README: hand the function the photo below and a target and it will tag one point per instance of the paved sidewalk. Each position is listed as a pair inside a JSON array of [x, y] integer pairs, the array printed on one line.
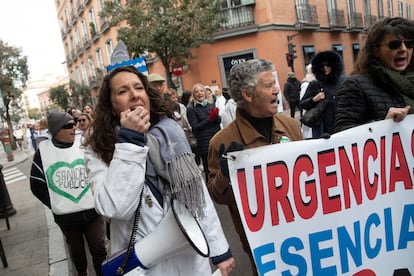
[[34, 245]]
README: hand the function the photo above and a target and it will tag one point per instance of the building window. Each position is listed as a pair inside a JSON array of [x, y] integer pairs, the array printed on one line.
[[380, 9], [227, 61], [84, 31], [78, 39], [78, 75], [109, 50], [390, 8], [409, 12], [85, 79], [355, 50], [101, 5], [92, 71], [62, 25], [99, 60], [93, 25], [72, 9], [72, 46], [400, 8], [308, 54], [67, 18], [352, 17], [367, 7], [339, 49], [67, 50]]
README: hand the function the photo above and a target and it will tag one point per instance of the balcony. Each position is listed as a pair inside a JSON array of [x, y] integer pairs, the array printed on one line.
[[94, 81], [80, 49], [68, 60], [355, 22], [369, 20], [239, 20], [237, 16], [80, 7], [104, 24], [74, 17], [307, 17], [336, 20], [74, 56], [86, 42]]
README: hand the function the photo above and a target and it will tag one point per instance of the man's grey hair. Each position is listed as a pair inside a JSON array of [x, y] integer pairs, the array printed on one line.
[[243, 76]]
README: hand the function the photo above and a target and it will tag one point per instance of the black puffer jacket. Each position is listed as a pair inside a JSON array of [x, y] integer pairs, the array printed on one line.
[[292, 89], [330, 84], [361, 100], [203, 129]]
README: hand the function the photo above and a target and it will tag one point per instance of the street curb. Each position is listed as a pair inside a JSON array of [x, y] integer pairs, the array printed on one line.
[[58, 258], [15, 162]]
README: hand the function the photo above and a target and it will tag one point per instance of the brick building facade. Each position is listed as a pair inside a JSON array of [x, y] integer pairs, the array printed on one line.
[[255, 29]]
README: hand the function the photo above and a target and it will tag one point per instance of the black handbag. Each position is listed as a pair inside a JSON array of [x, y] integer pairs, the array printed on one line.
[[313, 117]]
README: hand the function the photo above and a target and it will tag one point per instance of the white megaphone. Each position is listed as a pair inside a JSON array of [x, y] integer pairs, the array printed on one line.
[[177, 233]]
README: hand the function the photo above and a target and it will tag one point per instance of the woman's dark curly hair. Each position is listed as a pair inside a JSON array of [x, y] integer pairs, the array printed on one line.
[[391, 25], [102, 137]]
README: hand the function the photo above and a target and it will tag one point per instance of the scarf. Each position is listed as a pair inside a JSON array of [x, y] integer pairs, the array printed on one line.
[[403, 82], [174, 161], [203, 103], [262, 125]]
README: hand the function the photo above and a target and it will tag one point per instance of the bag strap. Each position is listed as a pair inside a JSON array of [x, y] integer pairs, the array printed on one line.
[[121, 269]]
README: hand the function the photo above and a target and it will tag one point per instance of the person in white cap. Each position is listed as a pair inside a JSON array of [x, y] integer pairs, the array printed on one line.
[[58, 179], [158, 82]]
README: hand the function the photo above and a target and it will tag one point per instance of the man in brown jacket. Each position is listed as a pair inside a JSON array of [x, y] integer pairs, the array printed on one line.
[[252, 86]]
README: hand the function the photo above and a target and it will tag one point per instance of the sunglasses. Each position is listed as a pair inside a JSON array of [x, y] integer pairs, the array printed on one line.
[[69, 125], [325, 65], [82, 120], [395, 44]]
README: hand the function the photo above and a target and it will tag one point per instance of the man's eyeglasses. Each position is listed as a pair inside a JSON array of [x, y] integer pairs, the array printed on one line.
[[69, 125], [395, 44]]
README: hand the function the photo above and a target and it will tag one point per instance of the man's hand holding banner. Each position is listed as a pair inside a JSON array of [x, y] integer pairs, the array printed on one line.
[[334, 206]]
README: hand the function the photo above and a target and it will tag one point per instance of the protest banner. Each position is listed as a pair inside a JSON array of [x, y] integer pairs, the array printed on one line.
[[337, 206]]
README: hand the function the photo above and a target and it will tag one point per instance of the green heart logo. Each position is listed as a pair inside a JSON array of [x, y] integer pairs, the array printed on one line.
[[67, 179]]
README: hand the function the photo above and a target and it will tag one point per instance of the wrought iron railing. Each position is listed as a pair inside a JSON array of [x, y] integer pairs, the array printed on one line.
[[336, 18], [369, 20], [237, 16], [307, 14], [355, 20]]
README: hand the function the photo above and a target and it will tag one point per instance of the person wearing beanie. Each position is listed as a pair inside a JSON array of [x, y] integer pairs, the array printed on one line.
[[58, 179]]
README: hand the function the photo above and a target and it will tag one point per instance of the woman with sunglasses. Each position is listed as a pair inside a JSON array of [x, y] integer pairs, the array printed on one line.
[[382, 84], [84, 121], [59, 181]]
